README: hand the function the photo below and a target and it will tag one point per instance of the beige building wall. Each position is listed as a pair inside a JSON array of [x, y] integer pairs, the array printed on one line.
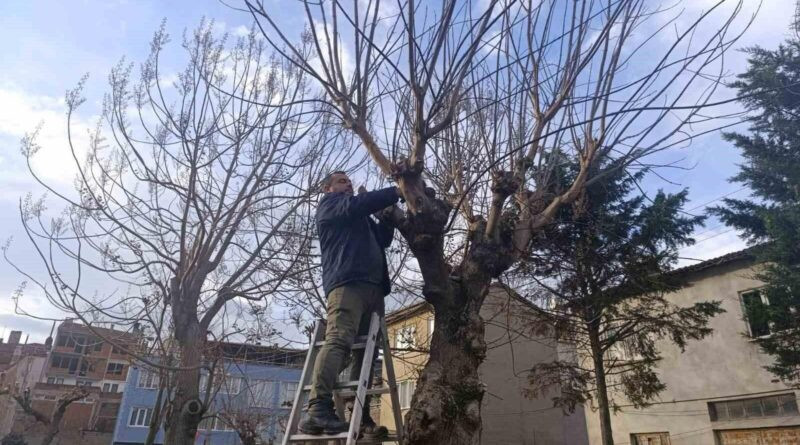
[[508, 416], [727, 365], [24, 372]]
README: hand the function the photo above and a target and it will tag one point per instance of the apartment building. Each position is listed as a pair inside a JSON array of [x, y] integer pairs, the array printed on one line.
[[252, 382]]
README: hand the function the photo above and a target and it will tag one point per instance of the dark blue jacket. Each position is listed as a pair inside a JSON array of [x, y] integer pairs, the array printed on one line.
[[351, 242]]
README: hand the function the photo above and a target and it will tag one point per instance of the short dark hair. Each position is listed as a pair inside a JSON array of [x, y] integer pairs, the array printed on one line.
[[328, 181]]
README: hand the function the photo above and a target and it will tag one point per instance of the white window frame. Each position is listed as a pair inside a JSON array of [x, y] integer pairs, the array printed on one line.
[[405, 337], [227, 385], [111, 387], [115, 364], [405, 391], [223, 384], [288, 392], [141, 414], [262, 393], [764, 301], [221, 425], [147, 379]]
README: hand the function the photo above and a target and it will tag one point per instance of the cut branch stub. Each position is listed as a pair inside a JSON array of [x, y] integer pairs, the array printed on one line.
[[411, 185]]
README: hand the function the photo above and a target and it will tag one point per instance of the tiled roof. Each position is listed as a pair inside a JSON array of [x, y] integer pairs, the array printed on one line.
[[748, 254]]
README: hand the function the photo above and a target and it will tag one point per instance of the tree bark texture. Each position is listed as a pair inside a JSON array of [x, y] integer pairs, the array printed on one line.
[[186, 409], [446, 407]]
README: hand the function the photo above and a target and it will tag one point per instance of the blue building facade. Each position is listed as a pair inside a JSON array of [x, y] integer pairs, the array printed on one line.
[[258, 390]]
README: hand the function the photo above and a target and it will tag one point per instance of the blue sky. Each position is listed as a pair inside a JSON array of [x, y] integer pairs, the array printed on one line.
[[47, 45]]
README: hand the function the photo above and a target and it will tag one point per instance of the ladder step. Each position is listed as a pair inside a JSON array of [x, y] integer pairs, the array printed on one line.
[[352, 393], [358, 342], [339, 385], [315, 437], [341, 436], [354, 347]]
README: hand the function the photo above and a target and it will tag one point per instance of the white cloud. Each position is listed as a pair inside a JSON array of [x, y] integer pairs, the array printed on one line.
[[20, 113], [241, 31]]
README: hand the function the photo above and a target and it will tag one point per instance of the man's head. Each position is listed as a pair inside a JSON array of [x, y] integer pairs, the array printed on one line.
[[337, 182]]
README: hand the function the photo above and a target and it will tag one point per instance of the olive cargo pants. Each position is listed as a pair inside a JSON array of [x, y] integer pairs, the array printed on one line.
[[350, 308]]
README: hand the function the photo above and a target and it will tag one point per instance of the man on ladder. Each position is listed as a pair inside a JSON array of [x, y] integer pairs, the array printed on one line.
[[355, 279]]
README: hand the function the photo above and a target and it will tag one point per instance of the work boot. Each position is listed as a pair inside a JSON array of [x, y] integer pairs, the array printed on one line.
[[370, 430], [322, 419]]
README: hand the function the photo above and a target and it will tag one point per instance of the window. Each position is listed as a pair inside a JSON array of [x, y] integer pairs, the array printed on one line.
[[55, 380], [406, 391], [147, 379], [110, 387], [405, 337], [224, 384], [80, 382], [98, 346], [754, 305], [261, 393], [206, 424], [772, 406], [650, 439], [231, 385], [288, 390], [61, 340], [115, 368], [64, 362], [222, 425], [140, 417]]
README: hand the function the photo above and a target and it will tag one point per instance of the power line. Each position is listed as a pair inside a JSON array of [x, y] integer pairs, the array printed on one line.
[[705, 204]]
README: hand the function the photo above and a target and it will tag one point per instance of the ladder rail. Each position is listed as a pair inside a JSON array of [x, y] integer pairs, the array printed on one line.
[[391, 382], [305, 377], [363, 379], [377, 337]]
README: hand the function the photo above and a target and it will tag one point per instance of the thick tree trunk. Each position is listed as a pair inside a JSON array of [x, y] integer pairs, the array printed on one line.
[[446, 408], [602, 389], [186, 408]]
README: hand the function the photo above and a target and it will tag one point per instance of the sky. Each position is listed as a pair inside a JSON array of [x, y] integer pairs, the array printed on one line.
[[48, 45]]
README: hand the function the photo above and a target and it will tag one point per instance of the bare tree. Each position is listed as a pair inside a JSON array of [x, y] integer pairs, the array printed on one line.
[[470, 106], [51, 421], [185, 200]]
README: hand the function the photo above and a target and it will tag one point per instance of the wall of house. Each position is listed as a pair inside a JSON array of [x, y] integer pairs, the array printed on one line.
[[509, 417], [274, 409], [407, 364], [23, 373], [725, 365]]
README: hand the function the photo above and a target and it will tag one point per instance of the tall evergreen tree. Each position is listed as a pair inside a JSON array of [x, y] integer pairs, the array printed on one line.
[[603, 271], [770, 89]]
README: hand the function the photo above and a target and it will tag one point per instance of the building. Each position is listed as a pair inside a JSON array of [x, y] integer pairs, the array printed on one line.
[[254, 383], [21, 367], [508, 416], [718, 391], [85, 356], [90, 357]]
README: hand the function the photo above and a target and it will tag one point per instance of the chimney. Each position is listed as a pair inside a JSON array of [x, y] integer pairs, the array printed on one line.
[[14, 337]]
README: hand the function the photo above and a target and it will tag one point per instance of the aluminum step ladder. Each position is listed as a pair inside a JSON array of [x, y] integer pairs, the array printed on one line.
[[360, 388]]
